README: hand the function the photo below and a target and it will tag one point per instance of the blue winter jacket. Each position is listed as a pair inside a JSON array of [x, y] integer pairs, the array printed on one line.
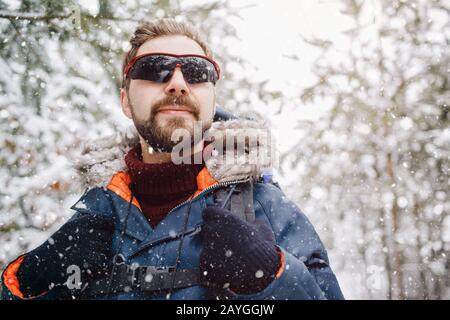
[[305, 272]]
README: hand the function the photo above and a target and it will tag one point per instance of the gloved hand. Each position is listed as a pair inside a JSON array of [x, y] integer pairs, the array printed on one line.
[[236, 254], [84, 241]]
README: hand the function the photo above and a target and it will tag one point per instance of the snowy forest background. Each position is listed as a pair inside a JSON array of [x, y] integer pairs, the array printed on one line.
[[370, 168]]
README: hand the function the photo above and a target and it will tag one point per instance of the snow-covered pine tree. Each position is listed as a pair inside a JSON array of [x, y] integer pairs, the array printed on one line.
[[373, 170]]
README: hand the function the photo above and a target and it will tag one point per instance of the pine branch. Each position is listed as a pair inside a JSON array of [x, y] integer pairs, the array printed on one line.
[[43, 17], [30, 16]]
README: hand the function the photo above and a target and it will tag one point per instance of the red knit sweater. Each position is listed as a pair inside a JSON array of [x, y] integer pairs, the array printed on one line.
[[160, 187]]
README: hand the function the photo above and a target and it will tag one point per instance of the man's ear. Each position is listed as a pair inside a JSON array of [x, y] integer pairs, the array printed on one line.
[[124, 101]]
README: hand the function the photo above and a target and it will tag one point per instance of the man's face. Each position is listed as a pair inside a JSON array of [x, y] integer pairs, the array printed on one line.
[[155, 107]]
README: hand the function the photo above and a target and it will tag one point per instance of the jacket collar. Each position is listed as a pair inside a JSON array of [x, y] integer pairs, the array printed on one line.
[[103, 158], [102, 164], [120, 185], [137, 225]]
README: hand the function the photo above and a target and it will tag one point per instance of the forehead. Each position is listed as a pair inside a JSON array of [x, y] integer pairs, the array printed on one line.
[[176, 44]]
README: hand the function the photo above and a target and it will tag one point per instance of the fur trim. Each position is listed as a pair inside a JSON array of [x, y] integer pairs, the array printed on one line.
[[242, 148], [103, 157]]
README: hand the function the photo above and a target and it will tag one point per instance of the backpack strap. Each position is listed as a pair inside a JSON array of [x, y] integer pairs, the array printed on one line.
[[240, 201]]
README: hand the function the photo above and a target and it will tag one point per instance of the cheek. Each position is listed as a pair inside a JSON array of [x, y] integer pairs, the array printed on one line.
[[206, 98], [142, 97]]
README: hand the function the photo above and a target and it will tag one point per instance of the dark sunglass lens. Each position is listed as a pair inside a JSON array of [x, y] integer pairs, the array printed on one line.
[[153, 68], [198, 70]]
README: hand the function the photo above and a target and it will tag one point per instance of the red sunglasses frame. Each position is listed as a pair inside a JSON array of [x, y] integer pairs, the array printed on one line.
[[133, 61]]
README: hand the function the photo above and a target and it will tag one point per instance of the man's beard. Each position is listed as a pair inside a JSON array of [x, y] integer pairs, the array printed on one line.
[[158, 136]]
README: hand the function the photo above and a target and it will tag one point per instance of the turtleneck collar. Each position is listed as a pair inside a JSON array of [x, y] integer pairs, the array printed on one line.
[[167, 180]]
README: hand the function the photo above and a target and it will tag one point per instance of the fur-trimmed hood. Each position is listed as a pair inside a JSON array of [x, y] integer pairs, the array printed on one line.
[[101, 158]]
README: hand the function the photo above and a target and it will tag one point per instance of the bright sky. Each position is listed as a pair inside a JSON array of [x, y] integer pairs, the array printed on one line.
[[271, 31]]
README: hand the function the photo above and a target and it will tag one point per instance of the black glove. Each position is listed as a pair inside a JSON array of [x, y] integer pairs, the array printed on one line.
[[84, 241], [236, 254]]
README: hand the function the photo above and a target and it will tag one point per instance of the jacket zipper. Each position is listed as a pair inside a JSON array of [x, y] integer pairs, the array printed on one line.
[[222, 184]]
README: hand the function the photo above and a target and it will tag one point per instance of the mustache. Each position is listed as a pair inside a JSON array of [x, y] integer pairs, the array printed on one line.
[[181, 100]]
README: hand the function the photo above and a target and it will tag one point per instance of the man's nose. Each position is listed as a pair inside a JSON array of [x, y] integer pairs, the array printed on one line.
[[177, 86]]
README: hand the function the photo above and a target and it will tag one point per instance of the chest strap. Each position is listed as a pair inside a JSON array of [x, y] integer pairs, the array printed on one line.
[[127, 278]]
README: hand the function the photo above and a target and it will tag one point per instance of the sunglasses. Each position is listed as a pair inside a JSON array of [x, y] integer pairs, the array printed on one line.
[[159, 67]]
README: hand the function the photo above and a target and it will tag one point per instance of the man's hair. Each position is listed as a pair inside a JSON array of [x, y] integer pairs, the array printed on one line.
[[164, 27]]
